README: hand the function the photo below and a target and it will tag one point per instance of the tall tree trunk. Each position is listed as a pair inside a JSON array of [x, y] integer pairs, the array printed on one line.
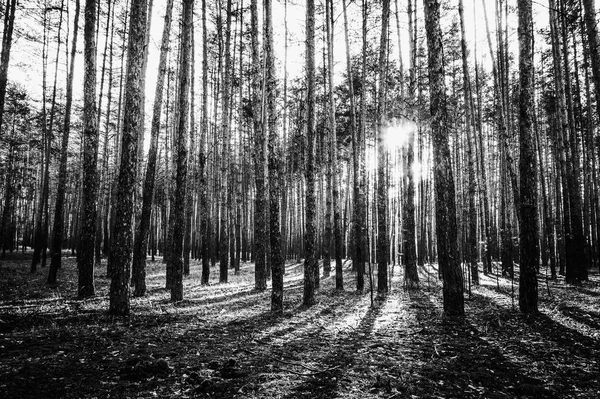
[[333, 160], [204, 227], [471, 250], [141, 234], [310, 242], [102, 175], [133, 115], [591, 24], [275, 159], [411, 276], [358, 218], [178, 208], [225, 131], [59, 226], [260, 160], [382, 159], [445, 202], [529, 253], [88, 213]]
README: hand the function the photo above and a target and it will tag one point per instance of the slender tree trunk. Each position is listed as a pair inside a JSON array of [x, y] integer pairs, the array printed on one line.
[[411, 276], [260, 161], [204, 227], [471, 250], [45, 151], [310, 262], [335, 179], [382, 159], [189, 196], [358, 219], [225, 130], [275, 169], [141, 235], [178, 208], [445, 203], [591, 24], [59, 226]]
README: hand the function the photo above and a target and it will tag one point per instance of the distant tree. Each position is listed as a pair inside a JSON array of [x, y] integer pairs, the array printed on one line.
[[445, 201]]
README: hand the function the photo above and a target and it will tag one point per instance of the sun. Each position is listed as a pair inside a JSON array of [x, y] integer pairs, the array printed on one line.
[[398, 133]]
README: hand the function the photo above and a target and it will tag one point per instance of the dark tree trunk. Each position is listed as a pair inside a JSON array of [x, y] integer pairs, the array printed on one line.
[[310, 237], [275, 169], [88, 213], [224, 198], [333, 158], [358, 261], [261, 234], [471, 250], [445, 202], [204, 227], [529, 253], [133, 115], [382, 159], [178, 208], [411, 276]]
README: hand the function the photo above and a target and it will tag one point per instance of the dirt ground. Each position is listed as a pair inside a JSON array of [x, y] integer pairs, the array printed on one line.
[[223, 342]]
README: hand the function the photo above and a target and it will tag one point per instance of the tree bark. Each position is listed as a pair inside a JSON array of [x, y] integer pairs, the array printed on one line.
[[88, 213], [529, 253], [178, 208], [225, 146], [133, 115], [310, 262], [260, 160], [382, 159], [204, 209], [275, 159], [445, 202]]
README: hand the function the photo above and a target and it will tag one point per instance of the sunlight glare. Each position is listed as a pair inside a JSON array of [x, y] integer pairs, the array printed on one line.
[[398, 132]]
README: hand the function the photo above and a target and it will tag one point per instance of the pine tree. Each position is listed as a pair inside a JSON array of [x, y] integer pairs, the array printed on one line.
[[445, 201], [133, 116]]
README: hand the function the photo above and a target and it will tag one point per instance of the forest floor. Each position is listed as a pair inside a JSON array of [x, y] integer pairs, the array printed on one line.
[[223, 342]]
